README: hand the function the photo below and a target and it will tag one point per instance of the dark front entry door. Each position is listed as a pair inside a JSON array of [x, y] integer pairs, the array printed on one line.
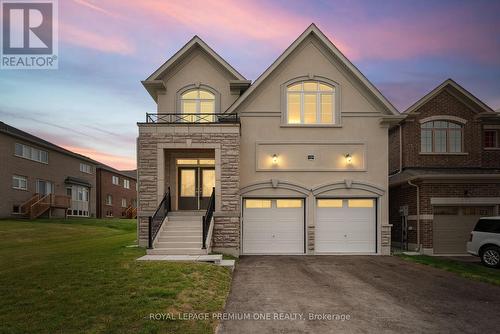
[[195, 187]]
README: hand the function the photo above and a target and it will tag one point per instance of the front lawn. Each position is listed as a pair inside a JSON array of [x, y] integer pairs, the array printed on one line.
[[80, 276], [470, 270]]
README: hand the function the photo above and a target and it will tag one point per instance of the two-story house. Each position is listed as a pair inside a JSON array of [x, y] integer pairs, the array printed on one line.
[[116, 193], [295, 163], [40, 178], [445, 170]]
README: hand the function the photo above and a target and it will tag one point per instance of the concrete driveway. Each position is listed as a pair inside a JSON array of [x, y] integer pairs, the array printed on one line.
[[375, 293]]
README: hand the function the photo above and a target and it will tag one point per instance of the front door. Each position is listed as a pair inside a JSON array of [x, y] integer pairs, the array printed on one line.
[[195, 187]]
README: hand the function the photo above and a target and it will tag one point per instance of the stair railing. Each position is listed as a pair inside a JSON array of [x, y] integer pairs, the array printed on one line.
[[40, 206], [156, 220], [26, 206], [207, 218]]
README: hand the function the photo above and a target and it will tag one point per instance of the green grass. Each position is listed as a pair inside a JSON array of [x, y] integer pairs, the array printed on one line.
[[80, 276], [475, 271]]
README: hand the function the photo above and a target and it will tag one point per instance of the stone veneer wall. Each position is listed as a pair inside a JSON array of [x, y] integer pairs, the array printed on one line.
[[225, 140]]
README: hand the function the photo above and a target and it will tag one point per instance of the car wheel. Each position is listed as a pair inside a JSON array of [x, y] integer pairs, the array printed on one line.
[[490, 257]]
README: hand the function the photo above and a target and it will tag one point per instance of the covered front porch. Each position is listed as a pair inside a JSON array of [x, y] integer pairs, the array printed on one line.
[[189, 162]]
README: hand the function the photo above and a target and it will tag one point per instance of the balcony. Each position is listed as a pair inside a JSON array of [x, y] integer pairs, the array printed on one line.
[[196, 118]]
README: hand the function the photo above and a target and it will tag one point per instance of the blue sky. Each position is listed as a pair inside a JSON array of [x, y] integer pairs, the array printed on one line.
[[92, 102]]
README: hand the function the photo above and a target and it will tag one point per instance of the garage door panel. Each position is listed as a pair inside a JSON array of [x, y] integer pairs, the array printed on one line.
[[273, 230], [451, 233], [345, 229]]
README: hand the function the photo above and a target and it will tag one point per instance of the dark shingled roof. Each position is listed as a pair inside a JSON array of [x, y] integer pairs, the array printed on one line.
[[14, 132]]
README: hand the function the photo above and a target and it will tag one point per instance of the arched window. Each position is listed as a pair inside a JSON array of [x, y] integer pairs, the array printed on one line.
[[310, 102], [199, 104], [441, 137]]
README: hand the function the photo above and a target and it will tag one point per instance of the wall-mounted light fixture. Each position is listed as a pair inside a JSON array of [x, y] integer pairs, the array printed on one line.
[[348, 158], [275, 159]]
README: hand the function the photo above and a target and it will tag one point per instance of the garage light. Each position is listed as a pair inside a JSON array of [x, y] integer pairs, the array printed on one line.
[[275, 159], [348, 158]]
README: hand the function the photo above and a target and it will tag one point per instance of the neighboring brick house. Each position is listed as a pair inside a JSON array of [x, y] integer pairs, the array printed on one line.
[[117, 193], [38, 178], [444, 165], [295, 163]]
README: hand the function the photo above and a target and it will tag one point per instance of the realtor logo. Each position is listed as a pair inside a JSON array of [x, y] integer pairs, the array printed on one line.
[[29, 34]]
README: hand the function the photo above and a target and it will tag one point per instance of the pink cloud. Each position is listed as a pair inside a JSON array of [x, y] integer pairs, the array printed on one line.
[[116, 161], [83, 37]]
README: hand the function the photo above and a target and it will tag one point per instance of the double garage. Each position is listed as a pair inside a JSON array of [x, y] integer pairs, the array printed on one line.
[[279, 225]]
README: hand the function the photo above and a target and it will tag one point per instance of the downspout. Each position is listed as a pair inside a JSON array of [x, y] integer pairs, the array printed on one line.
[[400, 149], [418, 213]]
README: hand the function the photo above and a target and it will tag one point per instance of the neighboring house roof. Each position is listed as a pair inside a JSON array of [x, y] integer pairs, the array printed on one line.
[[314, 30], [410, 174], [454, 87], [153, 83], [131, 174], [17, 133]]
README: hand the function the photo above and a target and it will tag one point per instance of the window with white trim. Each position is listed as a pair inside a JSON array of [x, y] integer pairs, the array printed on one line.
[[310, 102], [109, 200], [124, 202], [31, 153], [126, 184], [84, 168], [115, 180], [198, 101], [441, 137], [19, 182]]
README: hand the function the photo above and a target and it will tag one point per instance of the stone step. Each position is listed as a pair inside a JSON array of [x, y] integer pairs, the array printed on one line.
[[182, 228], [180, 233], [177, 251], [183, 218], [178, 244], [187, 213], [215, 258], [181, 224], [190, 238]]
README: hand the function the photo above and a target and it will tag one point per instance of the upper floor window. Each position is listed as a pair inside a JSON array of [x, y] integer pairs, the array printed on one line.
[[84, 168], [115, 180], [126, 184], [31, 153], [491, 138], [310, 102], [198, 101], [441, 137]]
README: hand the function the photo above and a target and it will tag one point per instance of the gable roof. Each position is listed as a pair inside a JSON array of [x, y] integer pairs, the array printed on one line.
[[314, 30], [447, 84], [20, 134], [154, 83]]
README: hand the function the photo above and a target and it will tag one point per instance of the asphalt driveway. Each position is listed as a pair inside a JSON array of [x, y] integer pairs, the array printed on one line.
[[355, 294]]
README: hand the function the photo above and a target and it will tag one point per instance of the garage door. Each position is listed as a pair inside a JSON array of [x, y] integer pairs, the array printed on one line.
[[273, 226], [345, 225], [452, 227]]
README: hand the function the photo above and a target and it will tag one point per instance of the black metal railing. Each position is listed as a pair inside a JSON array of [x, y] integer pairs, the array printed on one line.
[[195, 118], [207, 218], [156, 220]]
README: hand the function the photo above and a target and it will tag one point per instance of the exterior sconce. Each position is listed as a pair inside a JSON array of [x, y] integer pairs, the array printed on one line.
[[348, 158], [275, 159]]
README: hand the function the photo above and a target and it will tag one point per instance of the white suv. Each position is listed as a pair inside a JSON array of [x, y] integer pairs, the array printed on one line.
[[484, 241]]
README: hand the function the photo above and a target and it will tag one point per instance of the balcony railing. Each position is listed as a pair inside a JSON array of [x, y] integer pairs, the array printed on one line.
[[183, 118]]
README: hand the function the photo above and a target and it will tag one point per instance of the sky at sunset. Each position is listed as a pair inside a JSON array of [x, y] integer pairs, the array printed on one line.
[[92, 103]]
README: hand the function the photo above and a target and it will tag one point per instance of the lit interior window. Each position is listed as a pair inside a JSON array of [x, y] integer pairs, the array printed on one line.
[[360, 203], [329, 203], [289, 203], [257, 204]]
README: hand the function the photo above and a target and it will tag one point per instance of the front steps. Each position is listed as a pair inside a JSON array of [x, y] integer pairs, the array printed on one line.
[[180, 234]]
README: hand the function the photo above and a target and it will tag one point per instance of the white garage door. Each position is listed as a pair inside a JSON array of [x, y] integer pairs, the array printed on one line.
[[345, 225], [273, 226]]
